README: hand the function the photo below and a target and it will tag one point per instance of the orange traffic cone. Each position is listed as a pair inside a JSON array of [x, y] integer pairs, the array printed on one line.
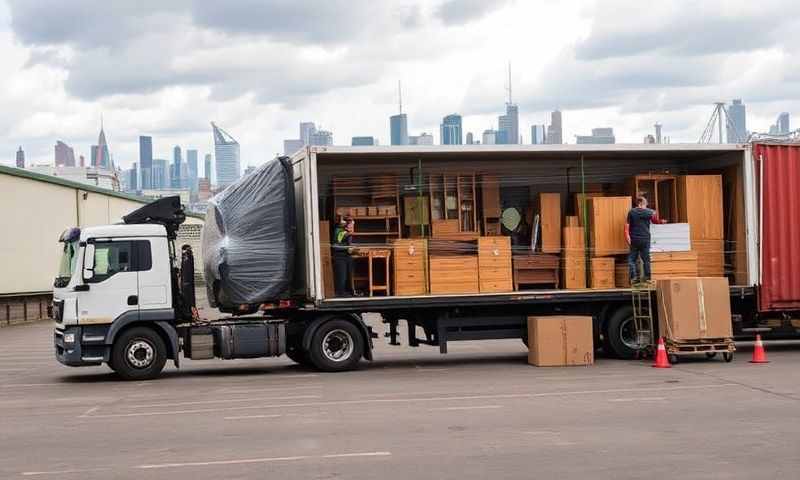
[[759, 355], [661, 356]]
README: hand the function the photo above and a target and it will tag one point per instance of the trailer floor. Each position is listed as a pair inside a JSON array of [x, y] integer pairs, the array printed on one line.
[[479, 412]]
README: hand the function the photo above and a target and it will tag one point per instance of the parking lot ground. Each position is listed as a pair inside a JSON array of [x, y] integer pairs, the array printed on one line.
[[479, 412]]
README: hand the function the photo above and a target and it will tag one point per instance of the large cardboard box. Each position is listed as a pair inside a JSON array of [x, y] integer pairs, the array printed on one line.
[[560, 341], [694, 308]]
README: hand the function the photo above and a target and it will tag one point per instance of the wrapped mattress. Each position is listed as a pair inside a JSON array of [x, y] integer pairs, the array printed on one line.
[[249, 238]]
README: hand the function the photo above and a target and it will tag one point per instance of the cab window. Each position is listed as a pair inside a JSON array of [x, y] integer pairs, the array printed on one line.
[[111, 258]]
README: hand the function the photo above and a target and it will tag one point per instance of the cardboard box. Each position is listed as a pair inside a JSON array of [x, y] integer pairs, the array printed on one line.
[[560, 341], [694, 308]]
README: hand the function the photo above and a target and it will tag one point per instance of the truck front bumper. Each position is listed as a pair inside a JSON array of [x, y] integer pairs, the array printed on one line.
[[78, 346]]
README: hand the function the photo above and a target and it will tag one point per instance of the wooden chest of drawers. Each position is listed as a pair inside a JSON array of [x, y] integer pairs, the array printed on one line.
[[494, 264], [410, 266], [454, 274]]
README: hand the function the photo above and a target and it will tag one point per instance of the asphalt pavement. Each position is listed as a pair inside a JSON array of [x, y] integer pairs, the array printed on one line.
[[479, 412]]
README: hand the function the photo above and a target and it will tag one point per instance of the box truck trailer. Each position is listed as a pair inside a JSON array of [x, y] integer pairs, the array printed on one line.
[[445, 240]]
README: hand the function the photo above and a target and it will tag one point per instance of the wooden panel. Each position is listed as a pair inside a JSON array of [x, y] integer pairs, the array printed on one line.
[[602, 273], [574, 272], [700, 205], [454, 274], [622, 277], [416, 210], [326, 258], [736, 228], [573, 240], [578, 199], [710, 257], [550, 221], [673, 264], [410, 262], [571, 221], [445, 227], [607, 218], [490, 194]]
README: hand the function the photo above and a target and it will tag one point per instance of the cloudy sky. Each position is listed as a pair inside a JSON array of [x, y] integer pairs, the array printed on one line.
[[259, 67]]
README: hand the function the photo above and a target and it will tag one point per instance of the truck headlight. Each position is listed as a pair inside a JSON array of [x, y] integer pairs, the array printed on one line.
[[69, 338]]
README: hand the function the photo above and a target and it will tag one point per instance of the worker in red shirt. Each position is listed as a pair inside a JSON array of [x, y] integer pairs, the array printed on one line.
[[637, 233]]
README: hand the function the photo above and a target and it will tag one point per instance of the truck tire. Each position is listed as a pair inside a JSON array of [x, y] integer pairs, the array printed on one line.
[[138, 354], [336, 346], [620, 334], [298, 355]]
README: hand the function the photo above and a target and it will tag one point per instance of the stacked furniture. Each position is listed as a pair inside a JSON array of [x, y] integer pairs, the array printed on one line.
[[494, 264], [410, 266]]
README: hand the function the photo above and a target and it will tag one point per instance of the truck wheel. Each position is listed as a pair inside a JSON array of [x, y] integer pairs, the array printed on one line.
[[620, 335], [138, 354], [336, 346], [298, 355]]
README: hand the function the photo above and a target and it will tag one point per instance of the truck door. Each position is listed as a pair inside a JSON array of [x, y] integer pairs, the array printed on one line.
[[154, 276], [111, 281]]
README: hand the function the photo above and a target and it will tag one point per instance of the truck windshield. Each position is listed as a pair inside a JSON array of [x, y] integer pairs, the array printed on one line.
[[66, 266]]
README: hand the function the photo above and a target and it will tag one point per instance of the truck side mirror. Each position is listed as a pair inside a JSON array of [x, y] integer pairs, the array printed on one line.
[[88, 261]]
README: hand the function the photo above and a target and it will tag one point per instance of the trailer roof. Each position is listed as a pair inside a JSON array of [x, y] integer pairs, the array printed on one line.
[[563, 148]]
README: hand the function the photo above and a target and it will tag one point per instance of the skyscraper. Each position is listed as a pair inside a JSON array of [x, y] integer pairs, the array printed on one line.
[[101, 158], [131, 179], [658, 138], [489, 137], [226, 153], [737, 125], [399, 129], [146, 161], [508, 125], [450, 130], [177, 159], [783, 123], [207, 168], [363, 141], [20, 158], [538, 135], [554, 132], [306, 130], [421, 139], [292, 145], [191, 160], [64, 155], [159, 175], [470, 138]]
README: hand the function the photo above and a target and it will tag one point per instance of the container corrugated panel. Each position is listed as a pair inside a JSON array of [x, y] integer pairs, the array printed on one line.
[[780, 242]]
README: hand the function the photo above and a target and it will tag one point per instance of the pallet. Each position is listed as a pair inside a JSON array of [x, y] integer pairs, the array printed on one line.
[[708, 346]]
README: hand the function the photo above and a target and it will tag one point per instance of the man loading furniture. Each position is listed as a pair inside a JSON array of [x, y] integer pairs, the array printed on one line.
[[342, 260], [637, 233]]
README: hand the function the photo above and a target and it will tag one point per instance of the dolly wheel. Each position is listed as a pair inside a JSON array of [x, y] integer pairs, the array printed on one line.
[[728, 356]]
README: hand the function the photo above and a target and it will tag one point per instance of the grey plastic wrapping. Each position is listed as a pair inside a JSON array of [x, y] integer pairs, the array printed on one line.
[[249, 238]]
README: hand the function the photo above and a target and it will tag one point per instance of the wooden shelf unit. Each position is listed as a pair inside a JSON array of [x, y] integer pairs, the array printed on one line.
[[454, 197], [661, 192], [363, 199]]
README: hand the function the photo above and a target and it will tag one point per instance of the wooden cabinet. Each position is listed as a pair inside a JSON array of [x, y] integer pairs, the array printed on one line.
[[601, 273], [574, 258], [454, 197], [535, 269], [494, 264], [410, 266], [660, 190], [452, 274], [550, 221], [373, 203], [700, 205], [607, 218]]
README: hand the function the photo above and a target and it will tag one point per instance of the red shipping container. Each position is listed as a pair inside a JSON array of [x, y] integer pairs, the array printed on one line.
[[778, 168]]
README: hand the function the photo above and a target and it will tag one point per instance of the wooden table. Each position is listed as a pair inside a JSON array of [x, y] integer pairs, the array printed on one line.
[[535, 269], [371, 255]]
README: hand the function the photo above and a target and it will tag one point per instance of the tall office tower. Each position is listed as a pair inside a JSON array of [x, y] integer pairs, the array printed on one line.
[[131, 179], [450, 130], [657, 126], [146, 161], [101, 158], [538, 135], [737, 122], [177, 160], [292, 145], [306, 130], [64, 155], [489, 137], [508, 125], [20, 158], [399, 129], [470, 138], [226, 153], [321, 137], [554, 131], [159, 175], [783, 123], [207, 168], [598, 136], [363, 141], [191, 161]]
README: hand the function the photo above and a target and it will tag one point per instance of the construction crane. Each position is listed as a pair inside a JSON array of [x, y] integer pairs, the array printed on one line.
[[719, 115]]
